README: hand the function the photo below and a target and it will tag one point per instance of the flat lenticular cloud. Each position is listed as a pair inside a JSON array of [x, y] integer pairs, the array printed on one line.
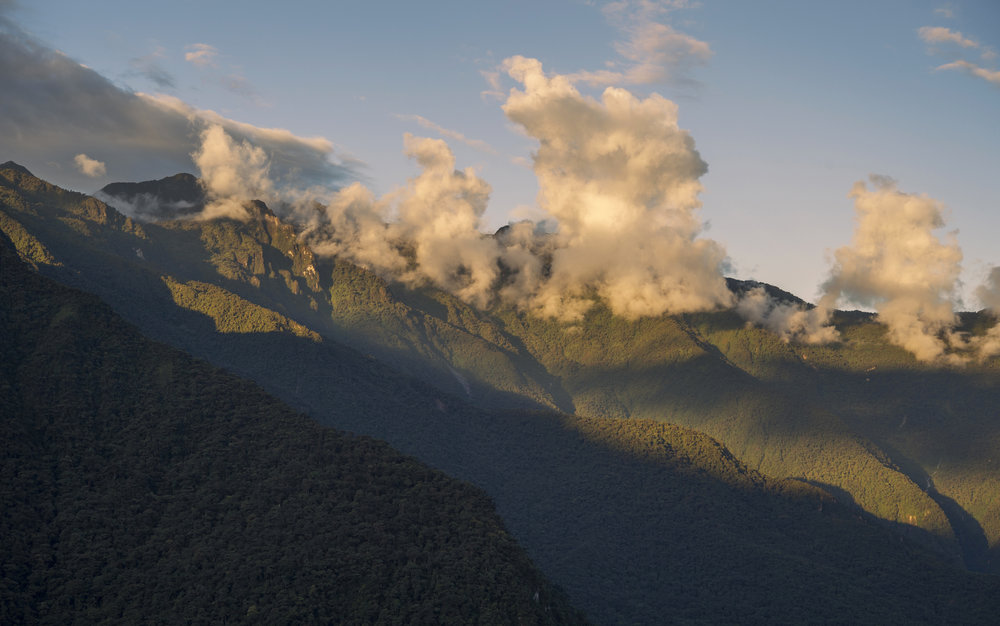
[[897, 265], [53, 109], [90, 167], [622, 180]]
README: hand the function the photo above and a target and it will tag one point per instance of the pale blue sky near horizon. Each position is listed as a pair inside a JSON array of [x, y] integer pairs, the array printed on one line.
[[797, 101]]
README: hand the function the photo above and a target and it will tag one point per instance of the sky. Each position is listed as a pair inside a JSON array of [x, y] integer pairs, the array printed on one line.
[[789, 104]]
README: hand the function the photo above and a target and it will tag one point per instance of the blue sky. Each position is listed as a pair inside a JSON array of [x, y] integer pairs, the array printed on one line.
[[789, 103]]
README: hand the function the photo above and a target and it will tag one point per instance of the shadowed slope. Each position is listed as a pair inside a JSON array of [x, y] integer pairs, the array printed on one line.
[[140, 485], [639, 520]]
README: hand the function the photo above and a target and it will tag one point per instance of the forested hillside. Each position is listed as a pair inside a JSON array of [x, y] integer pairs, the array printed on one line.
[[139, 485], [939, 425], [640, 520]]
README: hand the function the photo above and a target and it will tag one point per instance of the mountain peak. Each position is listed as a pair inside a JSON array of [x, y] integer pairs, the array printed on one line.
[[167, 198], [257, 209], [11, 165], [741, 287]]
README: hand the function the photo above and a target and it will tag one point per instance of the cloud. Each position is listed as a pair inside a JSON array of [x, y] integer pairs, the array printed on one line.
[[621, 179], [617, 215], [947, 11], [425, 232], [792, 322], [897, 265], [478, 144], [654, 52], [940, 34], [232, 173], [990, 76], [239, 85], [90, 167], [201, 54], [231, 79], [53, 108], [988, 293], [149, 68], [492, 78]]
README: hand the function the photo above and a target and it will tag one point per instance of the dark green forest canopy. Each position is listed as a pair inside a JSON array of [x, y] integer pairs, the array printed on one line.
[[140, 485], [640, 520]]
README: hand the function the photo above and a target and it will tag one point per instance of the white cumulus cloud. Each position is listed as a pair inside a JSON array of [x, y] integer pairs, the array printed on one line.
[[622, 180], [90, 167], [898, 265]]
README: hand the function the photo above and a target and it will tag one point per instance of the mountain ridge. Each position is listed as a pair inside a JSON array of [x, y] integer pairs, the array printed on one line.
[[499, 449]]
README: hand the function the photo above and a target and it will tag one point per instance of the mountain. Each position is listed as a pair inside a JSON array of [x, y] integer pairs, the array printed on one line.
[[659, 369], [142, 485], [938, 425], [798, 517], [167, 198]]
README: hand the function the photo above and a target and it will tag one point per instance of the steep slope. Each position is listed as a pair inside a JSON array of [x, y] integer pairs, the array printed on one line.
[[661, 369], [262, 261], [640, 521], [939, 425], [141, 485]]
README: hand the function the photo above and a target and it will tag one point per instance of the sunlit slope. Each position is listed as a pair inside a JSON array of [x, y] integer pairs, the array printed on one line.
[[661, 369], [640, 521], [940, 425], [604, 366], [139, 485]]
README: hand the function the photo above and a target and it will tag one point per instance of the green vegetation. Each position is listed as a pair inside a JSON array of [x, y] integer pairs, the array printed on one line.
[[641, 519], [937, 424], [139, 485], [231, 313]]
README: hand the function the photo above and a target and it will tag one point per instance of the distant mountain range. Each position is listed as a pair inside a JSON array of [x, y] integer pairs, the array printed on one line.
[[680, 468]]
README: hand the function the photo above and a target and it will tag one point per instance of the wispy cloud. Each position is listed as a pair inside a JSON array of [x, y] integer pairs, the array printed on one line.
[[654, 51], [492, 78], [238, 84], [148, 66], [201, 54], [940, 34], [478, 144], [951, 44], [947, 11], [990, 76], [206, 57]]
